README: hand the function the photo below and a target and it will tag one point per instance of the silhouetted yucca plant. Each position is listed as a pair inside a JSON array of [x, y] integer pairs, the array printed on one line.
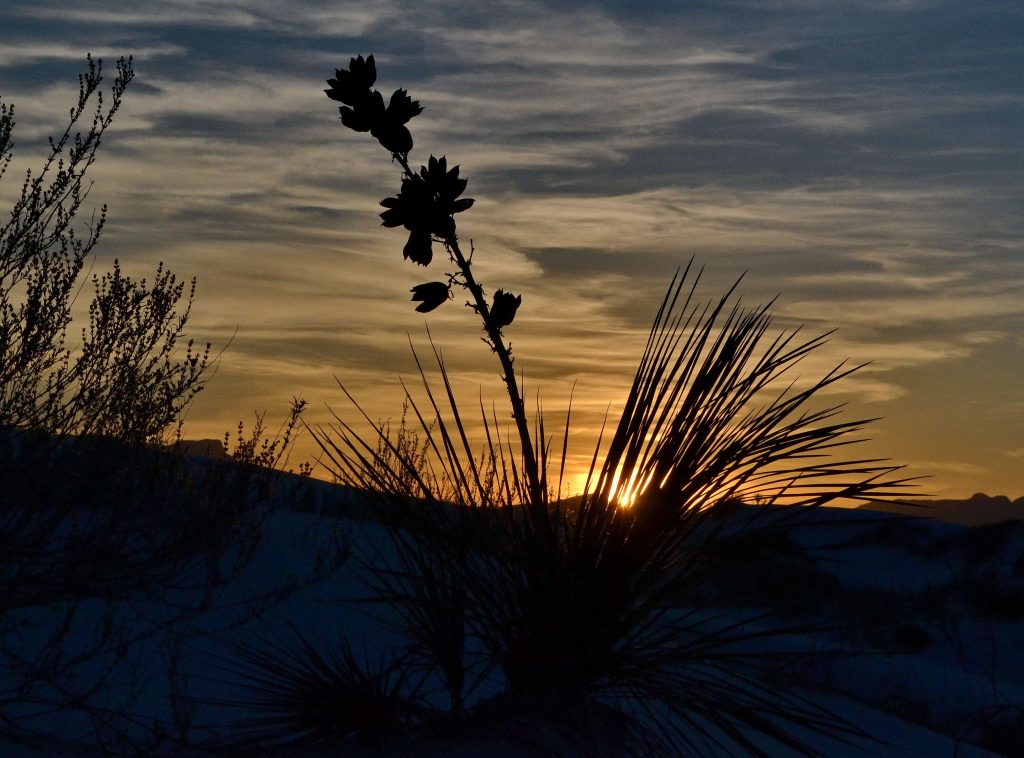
[[585, 601], [570, 606], [308, 694]]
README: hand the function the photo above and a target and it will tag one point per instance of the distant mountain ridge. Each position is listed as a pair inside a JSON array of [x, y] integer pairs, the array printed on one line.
[[977, 510]]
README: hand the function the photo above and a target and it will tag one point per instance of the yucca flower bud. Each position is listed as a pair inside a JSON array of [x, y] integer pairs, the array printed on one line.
[[419, 248], [429, 295], [504, 307], [353, 85]]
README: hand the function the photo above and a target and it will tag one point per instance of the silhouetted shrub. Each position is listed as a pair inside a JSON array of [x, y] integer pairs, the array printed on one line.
[[316, 694], [764, 567], [261, 449], [980, 544], [126, 379], [98, 520], [94, 527]]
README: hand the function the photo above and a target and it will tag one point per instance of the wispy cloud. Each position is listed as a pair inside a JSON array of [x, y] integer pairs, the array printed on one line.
[[26, 52]]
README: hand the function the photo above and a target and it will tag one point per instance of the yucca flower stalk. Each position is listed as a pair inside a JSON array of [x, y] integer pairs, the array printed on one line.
[[426, 207]]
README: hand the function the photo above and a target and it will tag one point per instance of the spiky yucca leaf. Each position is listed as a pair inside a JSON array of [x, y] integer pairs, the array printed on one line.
[[701, 425]]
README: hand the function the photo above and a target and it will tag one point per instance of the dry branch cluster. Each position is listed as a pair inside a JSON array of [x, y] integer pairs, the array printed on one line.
[[125, 379], [108, 538]]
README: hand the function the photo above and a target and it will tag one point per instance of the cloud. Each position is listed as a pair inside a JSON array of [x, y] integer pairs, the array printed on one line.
[[860, 160], [26, 52], [282, 18]]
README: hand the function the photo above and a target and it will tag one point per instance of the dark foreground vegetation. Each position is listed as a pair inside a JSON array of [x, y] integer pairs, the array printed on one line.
[[101, 517]]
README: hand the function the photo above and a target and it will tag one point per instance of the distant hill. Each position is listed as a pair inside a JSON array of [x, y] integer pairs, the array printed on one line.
[[207, 448], [977, 510]]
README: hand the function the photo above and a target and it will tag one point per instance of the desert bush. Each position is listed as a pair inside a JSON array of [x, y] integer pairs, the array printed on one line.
[[764, 567], [572, 608], [103, 545], [910, 637], [108, 536], [261, 449], [980, 544], [126, 379], [109, 548], [990, 595]]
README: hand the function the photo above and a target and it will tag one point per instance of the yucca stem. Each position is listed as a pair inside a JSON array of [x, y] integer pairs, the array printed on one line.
[[503, 352]]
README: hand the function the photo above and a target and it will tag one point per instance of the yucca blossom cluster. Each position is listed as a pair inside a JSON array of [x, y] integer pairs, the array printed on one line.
[[426, 206], [429, 198], [364, 109]]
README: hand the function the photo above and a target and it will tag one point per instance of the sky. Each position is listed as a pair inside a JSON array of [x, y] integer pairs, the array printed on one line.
[[861, 160]]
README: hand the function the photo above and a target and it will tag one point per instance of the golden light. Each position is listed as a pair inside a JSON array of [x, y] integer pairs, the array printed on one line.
[[627, 494]]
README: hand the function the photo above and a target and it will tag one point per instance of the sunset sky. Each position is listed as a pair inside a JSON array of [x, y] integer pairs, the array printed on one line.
[[863, 160]]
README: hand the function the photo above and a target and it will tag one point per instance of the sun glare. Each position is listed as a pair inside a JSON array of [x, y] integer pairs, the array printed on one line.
[[628, 492], [626, 499]]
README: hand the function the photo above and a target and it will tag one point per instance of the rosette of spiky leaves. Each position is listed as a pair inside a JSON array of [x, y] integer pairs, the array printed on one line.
[[302, 692], [425, 206], [701, 427], [595, 602]]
